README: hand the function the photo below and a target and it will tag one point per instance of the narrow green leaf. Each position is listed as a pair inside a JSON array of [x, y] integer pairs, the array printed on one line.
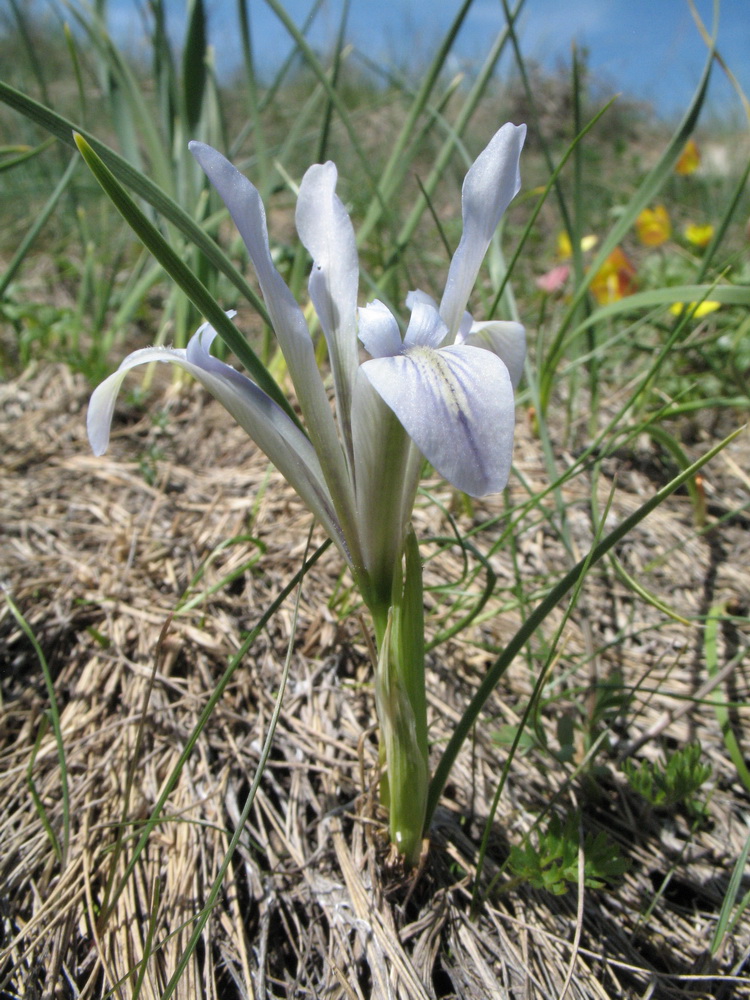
[[727, 295], [335, 98], [41, 220], [711, 653], [54, 714], [452, 141], [194, 64], [398, 164], [733, 889], [24, 154]]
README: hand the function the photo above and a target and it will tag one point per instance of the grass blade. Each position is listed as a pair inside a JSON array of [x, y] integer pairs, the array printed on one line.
[[54, 714], [711, 651], [648, 188]]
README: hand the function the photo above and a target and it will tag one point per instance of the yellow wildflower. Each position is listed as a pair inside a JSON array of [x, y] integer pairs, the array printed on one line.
[[698, 309], [699, 236], [653, 226], [614, 280], [689, 160], [565, 247]]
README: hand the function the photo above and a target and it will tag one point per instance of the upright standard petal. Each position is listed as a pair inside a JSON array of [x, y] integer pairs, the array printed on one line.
[[326, 231], [266, 423], [490, 185], [456, 404]]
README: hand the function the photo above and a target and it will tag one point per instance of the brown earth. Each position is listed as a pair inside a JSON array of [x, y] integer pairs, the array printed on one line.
[[96, 554]]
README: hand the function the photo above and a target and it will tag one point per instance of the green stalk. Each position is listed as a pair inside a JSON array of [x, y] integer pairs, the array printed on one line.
[[402, 708]]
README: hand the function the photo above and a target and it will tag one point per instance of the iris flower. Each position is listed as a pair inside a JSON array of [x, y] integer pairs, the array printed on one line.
[[443, 391]]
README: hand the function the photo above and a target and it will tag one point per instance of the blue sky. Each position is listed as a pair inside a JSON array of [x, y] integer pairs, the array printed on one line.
[[649, 49]]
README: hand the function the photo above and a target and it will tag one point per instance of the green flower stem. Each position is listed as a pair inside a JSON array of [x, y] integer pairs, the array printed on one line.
[[402, 707]]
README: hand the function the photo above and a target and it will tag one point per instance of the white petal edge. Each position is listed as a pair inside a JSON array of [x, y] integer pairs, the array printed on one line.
[[457, 406], [326, 231]]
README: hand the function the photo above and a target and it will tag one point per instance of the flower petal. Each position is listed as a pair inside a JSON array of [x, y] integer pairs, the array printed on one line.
[[504, 338], [378, 330], [246, 208], [266, 423], [426, 328], [490, 185], [326, 230], [417, 295], [457, 406]]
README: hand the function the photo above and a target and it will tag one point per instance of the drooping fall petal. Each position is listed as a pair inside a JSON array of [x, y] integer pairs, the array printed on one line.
[[455, 403], [504, 338]]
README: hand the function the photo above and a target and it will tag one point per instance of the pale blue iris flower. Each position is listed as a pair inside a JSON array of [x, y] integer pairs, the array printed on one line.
[[444, 392]]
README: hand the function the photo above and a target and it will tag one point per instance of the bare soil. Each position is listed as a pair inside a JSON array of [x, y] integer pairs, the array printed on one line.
[[97, 553]]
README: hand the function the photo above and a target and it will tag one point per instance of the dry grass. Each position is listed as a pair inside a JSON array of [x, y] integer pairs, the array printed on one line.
[[96, 556]]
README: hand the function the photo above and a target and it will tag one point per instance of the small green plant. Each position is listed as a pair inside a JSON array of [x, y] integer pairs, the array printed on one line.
[[674, 783], [148, 463], [552, 862]]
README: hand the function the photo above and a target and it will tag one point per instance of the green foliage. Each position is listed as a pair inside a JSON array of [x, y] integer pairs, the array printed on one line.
[[675, 782], [552, 862]]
